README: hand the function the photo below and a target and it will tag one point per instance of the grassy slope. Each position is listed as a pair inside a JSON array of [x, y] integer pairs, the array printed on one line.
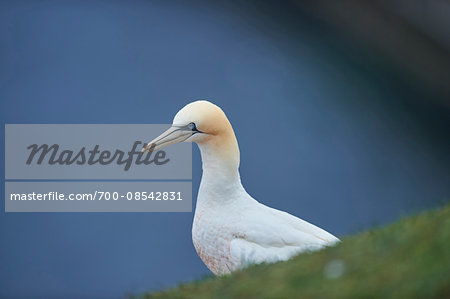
[[407, 259]]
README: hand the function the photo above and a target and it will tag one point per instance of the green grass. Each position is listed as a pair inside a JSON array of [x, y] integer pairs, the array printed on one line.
[[407, 259]]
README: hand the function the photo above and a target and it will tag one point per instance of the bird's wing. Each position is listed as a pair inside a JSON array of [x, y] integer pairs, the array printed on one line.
[[269, 235]]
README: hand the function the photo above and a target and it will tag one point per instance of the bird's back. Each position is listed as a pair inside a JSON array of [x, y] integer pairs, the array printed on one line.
[[235, 235]]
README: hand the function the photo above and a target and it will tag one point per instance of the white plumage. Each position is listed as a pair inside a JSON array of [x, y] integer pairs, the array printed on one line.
[[231, 229]]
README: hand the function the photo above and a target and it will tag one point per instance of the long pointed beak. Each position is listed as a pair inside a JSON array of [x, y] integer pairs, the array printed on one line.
[[173, 135]]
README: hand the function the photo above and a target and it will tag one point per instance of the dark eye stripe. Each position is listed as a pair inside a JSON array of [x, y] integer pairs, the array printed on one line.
[[193, 127]]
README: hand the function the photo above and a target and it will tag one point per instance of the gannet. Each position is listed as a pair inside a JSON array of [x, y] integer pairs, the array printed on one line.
[[232, 230]]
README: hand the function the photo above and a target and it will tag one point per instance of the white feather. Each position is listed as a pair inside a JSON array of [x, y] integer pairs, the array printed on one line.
[[231, 229]]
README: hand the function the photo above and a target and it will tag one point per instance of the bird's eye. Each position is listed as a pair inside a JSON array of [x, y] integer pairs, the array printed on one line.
[[192, 126]]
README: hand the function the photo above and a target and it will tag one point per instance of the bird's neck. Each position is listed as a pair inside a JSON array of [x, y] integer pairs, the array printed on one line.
[[221, 181]]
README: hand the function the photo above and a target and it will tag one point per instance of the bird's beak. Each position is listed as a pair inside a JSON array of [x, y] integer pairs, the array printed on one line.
[[173, 135]]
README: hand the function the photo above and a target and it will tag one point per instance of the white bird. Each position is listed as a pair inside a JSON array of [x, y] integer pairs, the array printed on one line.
[[231, 229]]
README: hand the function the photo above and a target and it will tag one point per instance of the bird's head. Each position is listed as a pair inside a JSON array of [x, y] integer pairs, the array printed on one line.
[[201, 122]]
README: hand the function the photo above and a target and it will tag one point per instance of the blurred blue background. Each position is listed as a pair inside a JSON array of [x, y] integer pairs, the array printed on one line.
[[341, 113]]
